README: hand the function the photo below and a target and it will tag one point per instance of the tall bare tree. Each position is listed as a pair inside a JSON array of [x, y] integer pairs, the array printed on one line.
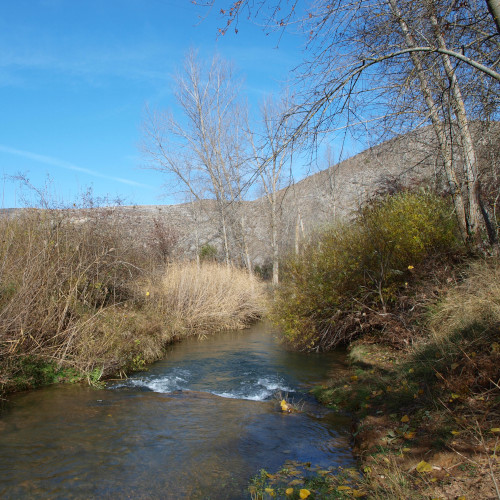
[[434, 61], [201, 149], [273, 169]]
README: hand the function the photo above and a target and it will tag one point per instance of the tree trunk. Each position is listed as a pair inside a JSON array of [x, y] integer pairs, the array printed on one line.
[[494, 8], [274, 241], [437, 125], [477, 217]]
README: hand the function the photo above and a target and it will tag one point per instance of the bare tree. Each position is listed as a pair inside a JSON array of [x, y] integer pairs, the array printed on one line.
[[201, 149], [408, 62], [271, 162]]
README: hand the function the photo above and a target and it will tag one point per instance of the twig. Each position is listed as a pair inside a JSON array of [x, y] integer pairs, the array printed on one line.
[[489, 460]]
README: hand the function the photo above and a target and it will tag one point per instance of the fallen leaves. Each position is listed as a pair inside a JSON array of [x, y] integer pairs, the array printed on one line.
[[343, 488], [285, 407], [423, 466]]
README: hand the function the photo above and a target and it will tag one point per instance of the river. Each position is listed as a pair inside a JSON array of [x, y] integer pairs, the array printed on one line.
[[198, 424]]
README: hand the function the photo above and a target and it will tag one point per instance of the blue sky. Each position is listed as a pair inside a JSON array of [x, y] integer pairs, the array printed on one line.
[[75, 76]]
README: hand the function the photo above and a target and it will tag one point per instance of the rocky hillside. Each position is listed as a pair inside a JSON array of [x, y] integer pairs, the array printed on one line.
[[319, 199]]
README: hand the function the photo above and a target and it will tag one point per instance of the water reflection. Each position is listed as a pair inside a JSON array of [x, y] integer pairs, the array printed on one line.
[[141, 440]]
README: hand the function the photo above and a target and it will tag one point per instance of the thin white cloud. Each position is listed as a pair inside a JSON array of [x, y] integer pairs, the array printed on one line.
[[149, 63], [56, 162]]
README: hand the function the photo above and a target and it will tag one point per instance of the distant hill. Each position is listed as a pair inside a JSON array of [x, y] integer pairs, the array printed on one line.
[[332, 194]]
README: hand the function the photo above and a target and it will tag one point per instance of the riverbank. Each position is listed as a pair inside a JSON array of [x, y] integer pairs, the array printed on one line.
[[81, 302], [426, 413]]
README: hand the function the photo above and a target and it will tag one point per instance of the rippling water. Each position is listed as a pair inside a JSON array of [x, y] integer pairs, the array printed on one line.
[[197, 425]]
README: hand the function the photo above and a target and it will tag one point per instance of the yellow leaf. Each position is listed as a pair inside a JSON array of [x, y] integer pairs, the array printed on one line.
[[455, 432], [343, 488], [405, 419], [462, 498], [410, 267], [285, 406], [423, 466], [495, 429], [147, 294], [289, 491], [358, 493], [455, 396], [434, 479], [354, 378], [295, 482], [270, 491], [406, 450], [409, 435], [304, 493], [411, 370]]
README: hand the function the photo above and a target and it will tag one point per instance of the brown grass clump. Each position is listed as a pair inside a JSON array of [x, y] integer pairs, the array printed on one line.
[[475, 301], [465, 331], [203, 299]]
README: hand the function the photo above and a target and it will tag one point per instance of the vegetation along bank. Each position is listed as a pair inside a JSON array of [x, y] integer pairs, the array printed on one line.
[[78, 301], [420, 314]]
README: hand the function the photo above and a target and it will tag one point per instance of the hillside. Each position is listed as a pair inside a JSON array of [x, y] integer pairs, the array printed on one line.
[[321, 198], [314, 201]]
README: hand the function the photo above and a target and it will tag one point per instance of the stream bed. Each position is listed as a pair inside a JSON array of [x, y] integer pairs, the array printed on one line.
[[198, 424]]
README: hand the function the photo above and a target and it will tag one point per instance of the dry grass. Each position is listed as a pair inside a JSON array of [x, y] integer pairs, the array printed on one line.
[[73, 294], [211, 297], [56, 279], [475, 301]]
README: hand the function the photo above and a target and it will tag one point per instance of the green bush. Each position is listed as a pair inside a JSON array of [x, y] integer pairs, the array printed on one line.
[[208, 253], [358, 265]]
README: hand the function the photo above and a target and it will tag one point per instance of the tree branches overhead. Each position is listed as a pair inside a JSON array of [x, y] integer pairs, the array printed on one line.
[[411, 63]]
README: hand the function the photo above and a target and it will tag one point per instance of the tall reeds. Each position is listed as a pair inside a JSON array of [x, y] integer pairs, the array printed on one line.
[[211, 297]]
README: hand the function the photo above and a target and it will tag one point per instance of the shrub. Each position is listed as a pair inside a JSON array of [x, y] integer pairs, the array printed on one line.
[[57, 275], [208, 253], [359, 266]]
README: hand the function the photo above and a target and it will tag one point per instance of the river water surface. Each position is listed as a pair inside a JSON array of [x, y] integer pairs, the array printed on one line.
[[199, 424]]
